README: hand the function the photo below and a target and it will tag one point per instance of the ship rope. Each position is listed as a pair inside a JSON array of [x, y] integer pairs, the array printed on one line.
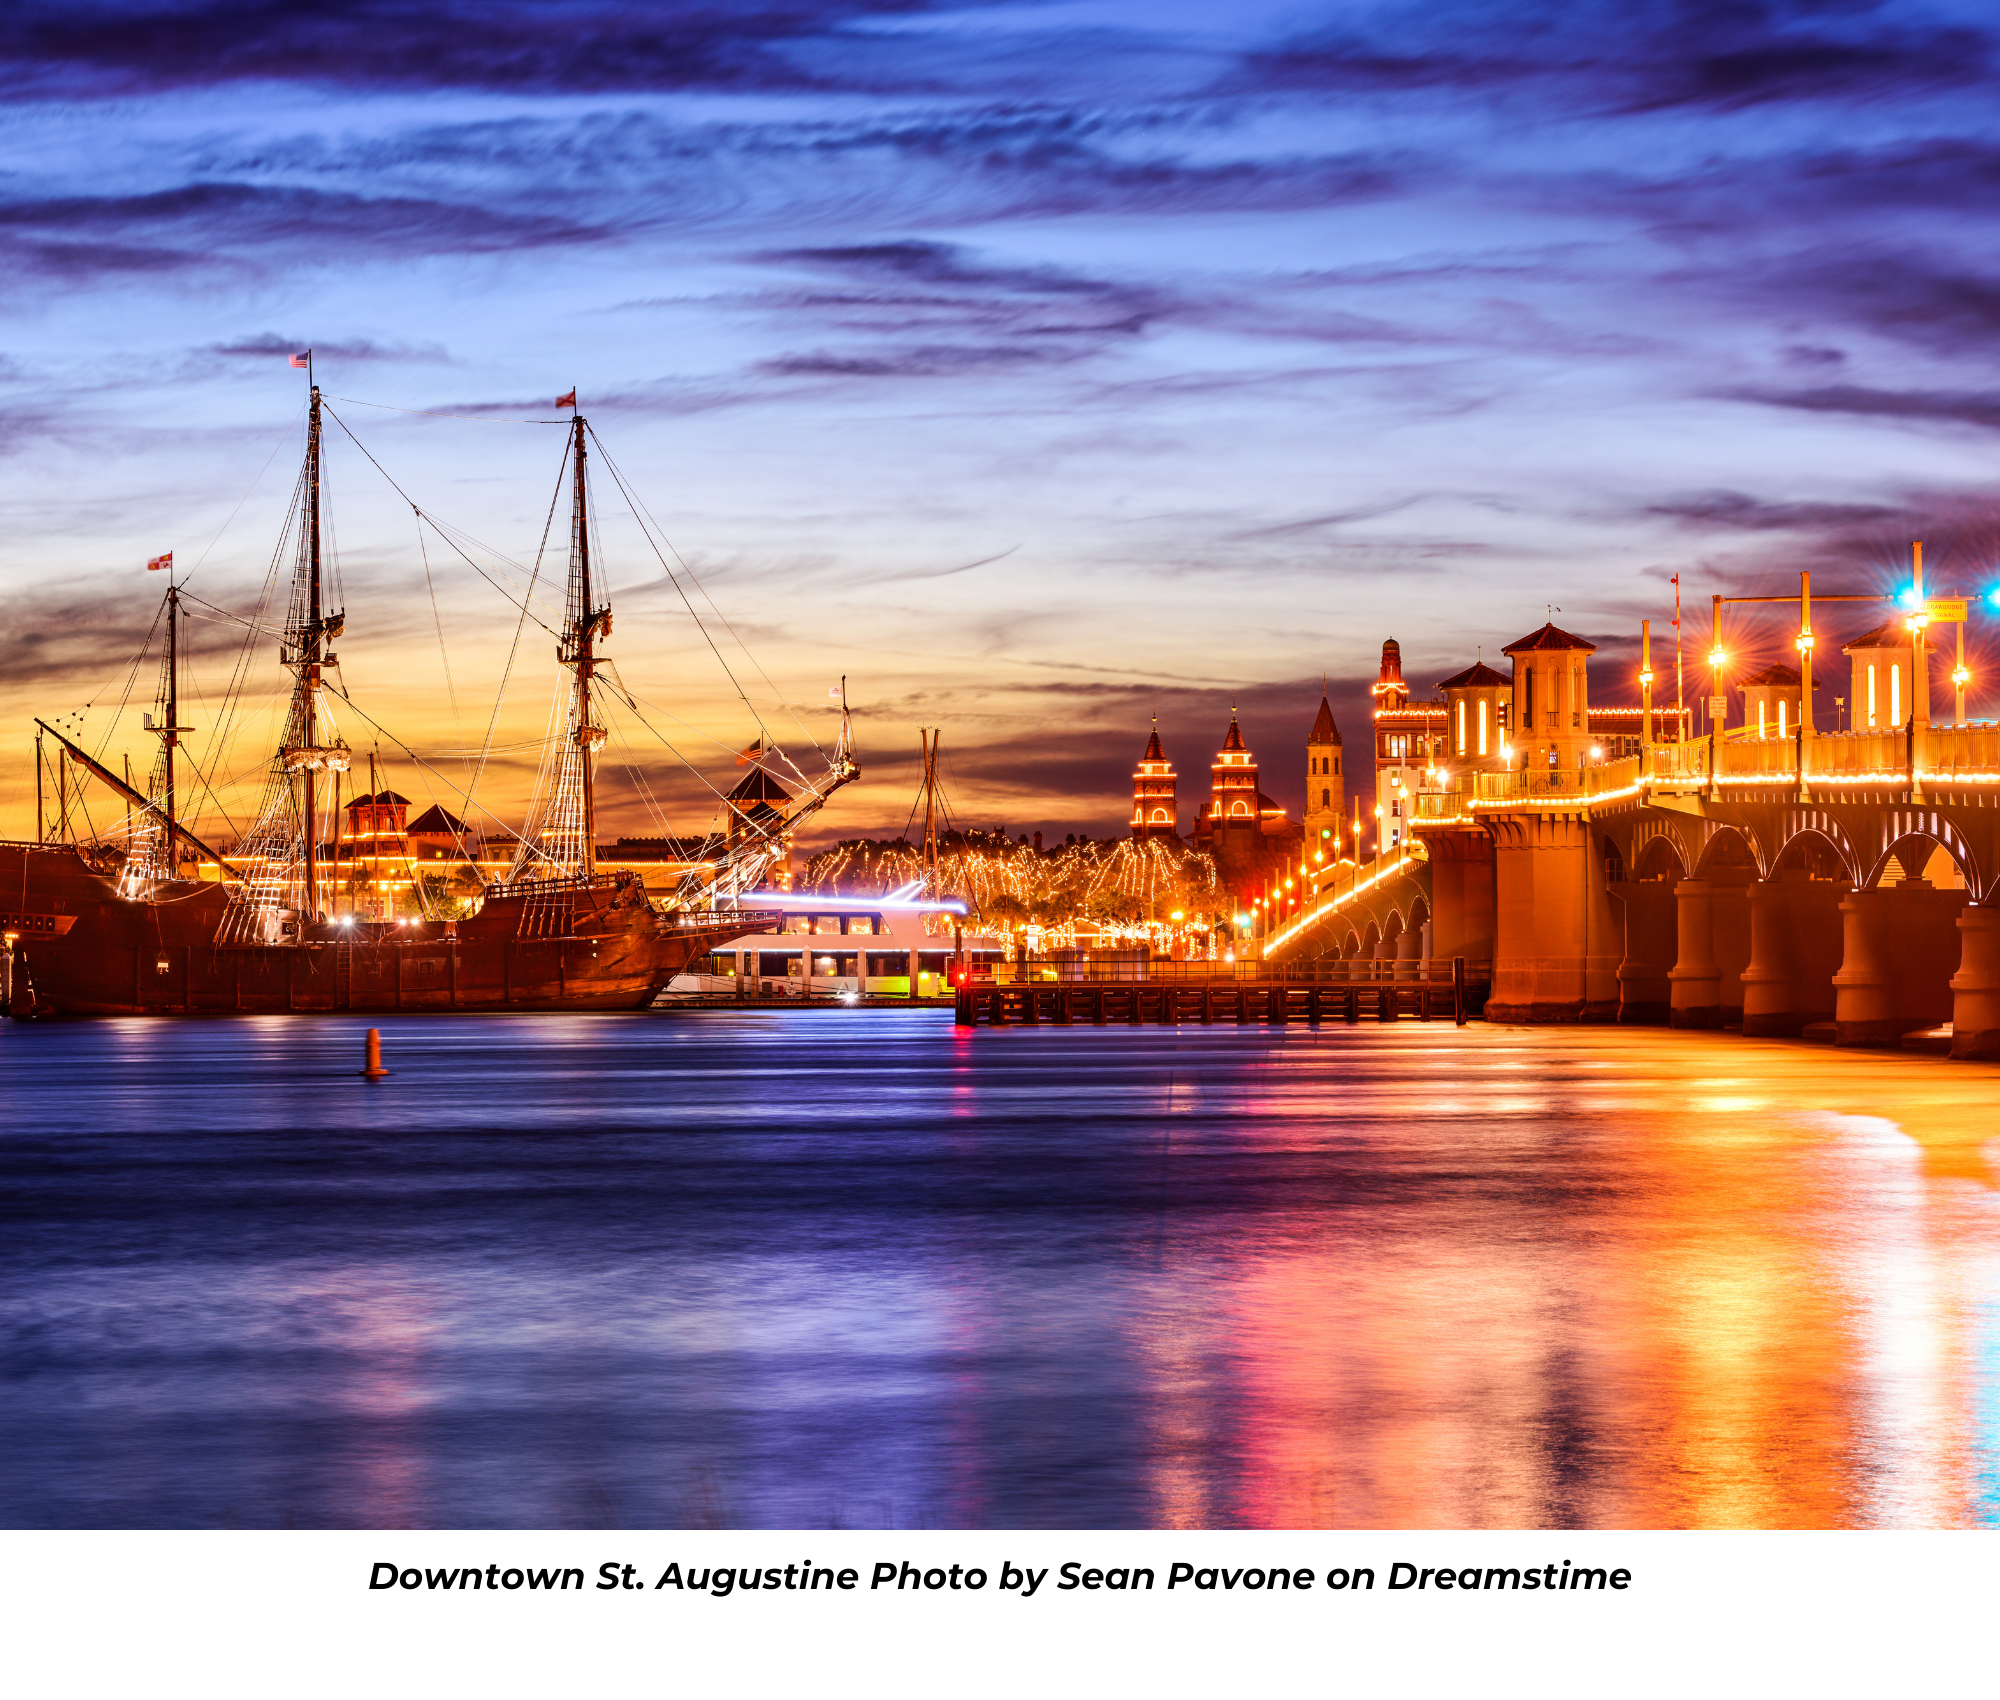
[[648, 526]]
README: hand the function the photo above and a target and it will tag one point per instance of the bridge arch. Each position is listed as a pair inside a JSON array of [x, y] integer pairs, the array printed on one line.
[[1900, 826], [1659, 856], [1815, 852], [1829, 829], [1728, 847]]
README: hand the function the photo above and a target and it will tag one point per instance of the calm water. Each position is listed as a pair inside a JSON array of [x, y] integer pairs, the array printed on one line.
[[856, 1268]]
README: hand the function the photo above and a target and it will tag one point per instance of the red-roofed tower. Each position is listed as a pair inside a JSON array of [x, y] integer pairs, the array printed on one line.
[[1155, 800]]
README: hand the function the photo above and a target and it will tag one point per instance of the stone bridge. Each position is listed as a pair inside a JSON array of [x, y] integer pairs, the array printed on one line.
[[1770, 882], [1378, 911]]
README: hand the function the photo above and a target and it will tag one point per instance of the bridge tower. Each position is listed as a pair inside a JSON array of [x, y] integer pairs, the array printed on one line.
[[1557, 939]]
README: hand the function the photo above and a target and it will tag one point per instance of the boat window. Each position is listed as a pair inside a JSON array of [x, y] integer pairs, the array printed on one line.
[[859, 924]]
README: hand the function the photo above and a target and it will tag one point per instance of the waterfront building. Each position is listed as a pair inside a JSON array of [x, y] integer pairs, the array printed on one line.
[[438, 835], [1155, 803], [1409, 738], [1248, 834]]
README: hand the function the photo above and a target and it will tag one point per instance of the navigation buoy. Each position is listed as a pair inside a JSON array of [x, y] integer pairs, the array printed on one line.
[[374, 1069]]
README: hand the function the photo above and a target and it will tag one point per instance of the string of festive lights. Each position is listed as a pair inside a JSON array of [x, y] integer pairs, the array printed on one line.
[[1123, 889]]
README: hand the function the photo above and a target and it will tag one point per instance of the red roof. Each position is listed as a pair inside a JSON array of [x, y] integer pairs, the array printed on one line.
[[1891, 634], [1392, 663], [1235, 739], [1324, 731], [1153, 751], [1476, 675], [1775, 674], [1549, 637]]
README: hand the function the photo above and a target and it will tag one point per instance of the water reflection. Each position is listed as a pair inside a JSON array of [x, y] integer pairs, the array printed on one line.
[[819, 1268]]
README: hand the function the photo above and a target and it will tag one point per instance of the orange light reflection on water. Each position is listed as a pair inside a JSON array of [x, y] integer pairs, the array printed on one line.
[[1743, 1305]]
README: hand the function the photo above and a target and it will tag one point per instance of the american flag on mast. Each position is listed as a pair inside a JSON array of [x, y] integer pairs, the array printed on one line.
[[302, 361], [161, 563]]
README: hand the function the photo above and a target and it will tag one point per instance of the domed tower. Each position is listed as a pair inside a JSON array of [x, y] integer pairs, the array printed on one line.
[[1326, 786], [1155, 803]]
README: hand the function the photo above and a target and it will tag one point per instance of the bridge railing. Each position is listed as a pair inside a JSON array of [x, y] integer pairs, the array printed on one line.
[[1963, 750], [1035, 971], [1443, 804], [1877, 756], [1553, 784]]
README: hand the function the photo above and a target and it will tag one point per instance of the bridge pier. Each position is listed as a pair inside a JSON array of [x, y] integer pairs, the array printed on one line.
[[1864, 1011], [1975, 988], [1645, 993], [1696, 980], [1770, 981], [1902, 943]]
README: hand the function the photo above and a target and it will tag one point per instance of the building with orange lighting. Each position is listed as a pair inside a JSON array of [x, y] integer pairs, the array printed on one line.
[[1409, 739], [1326, 785], [1155, 803], [1248, 834]]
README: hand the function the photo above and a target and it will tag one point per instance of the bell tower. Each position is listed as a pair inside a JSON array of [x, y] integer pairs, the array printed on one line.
[[1326, 785]]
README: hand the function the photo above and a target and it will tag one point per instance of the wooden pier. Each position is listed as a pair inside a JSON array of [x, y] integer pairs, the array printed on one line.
[[1274, 1001]]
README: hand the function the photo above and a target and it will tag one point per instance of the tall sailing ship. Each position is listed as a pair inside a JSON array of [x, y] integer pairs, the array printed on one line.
[[100, 929]]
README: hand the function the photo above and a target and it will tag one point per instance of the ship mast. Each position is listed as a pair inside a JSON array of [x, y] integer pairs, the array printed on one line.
[[579, 650], [170, 734], [311, 655], [283, 845]]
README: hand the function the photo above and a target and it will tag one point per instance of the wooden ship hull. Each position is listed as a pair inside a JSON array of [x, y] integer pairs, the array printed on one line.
[[85, 948]]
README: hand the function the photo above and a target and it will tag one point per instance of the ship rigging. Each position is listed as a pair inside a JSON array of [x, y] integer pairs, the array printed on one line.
[[554, 931]]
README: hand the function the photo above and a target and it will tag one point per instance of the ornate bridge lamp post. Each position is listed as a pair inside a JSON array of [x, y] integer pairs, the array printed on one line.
[[1718, 704], [1920, 678]]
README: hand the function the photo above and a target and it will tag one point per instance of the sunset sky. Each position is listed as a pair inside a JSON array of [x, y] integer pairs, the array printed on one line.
[[1040, 368]]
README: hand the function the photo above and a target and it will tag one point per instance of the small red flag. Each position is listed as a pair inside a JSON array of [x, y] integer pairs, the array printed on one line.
[[302, 361], [566, 400], [161, 563]]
